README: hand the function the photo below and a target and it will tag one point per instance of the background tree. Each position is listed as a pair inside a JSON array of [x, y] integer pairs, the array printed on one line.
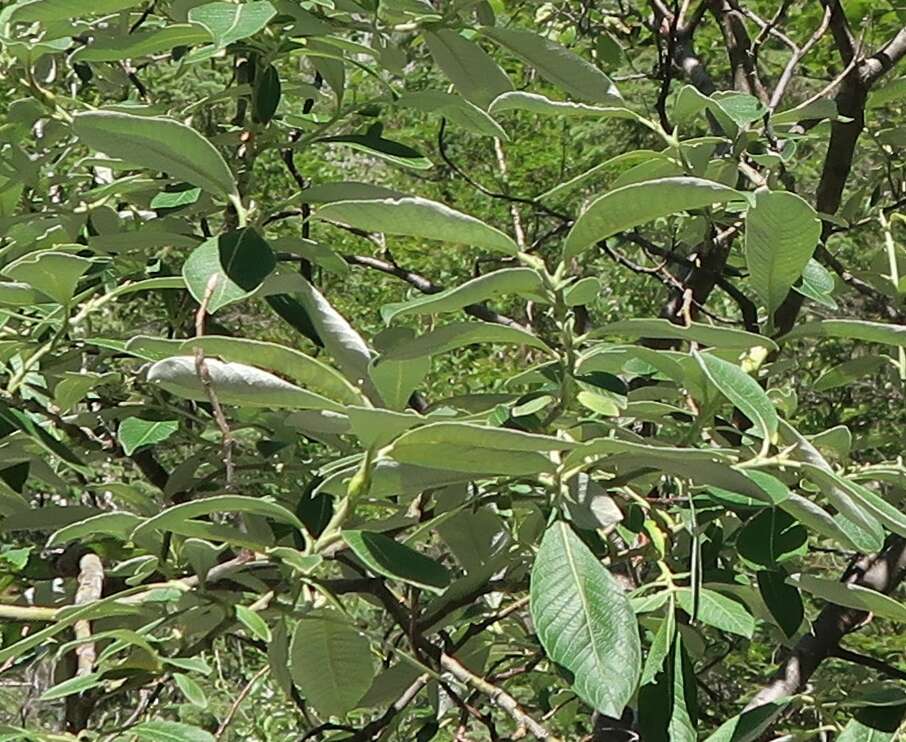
[[451, 371]]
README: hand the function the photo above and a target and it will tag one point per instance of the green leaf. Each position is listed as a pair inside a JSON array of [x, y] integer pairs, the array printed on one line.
[[47, 11], [851, 596], [235, 384], [348, 190], [175, 199], [417, 217], [117, 524], [159, 144], [133, 432], [395, 381], [750, 725], [873, 725], [816, 518], [293, 364], [27, 424], [639, 203], [253, 622], [142, 43], [782, 231], [718, 337], [851, 329], [470, 68], [660, 648], [267, 94], [556, 63], [386, 557], [55, 274], [229, 22], [176, 517], [455, 109], [771, 537], [817, 284], [72, 685], [718, 611], [518, 100], [331, 663], [16, 294], [459, 335], [158, 730], [372, 143], [668, 709], [843, 374], [191, 690], [845, 498], [782, 600], [522, 281], [584, 621], [742, 390], [228, 268]]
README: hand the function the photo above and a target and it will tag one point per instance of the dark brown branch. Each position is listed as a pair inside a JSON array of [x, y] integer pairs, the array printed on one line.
[[843, 37], [739, 50], [882, 572]]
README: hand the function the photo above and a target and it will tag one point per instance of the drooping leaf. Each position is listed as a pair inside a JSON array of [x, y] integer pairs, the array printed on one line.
[[133, 432], [229, 22], [158, 144], [584, 621], [639, 203], [417, 217], [556, 63], [522, 281], [331, 663], [668, 709], [470, 68], [783, 600], [397, 561], [782, 231], [771, 537]]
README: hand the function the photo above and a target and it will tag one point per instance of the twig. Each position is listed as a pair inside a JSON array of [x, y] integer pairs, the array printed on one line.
[[497, 695], [91, 585], [201, 368], [371, 730], [243, 694], [797, 56]]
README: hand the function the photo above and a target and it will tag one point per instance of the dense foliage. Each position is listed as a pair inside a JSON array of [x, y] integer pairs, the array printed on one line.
[[453, 370]]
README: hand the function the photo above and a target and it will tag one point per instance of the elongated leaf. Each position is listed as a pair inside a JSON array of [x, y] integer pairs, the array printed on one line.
[[72, 685], [158, 730], [142, 43], [175, 515], [348, 190], [231, 266], [235, 384], [518, 100], [65, 10], [295, 365], [229, 22], [782, 231], [668, 709], [253, 622], [459, 335], [455, 109], [133, 432], [584, 621], [418, 217], [158, 144], [771, 537], [851, 596], [470, 68], [522, 281], [742, 390], [845, 373], [191, 690], [782, 600], [556, 63], [639, 203], [718, 611], [718, 337], [845, 500], [851, 329], [660, 648], [115, 524], [391, 559], [466, 447], [749, 725], [331, 663]]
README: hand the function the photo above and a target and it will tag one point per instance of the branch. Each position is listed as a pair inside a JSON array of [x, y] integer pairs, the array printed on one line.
[[91, 585], [497, 695], [739, 50], [371, 730], [885, 59], [797, 56], [882, 572], [843, 37]]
